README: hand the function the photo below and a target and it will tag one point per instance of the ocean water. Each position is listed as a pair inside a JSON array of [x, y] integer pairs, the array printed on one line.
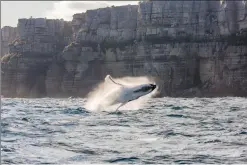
[[166, 130]]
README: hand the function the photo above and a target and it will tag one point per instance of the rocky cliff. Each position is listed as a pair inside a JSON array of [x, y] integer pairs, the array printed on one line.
[[192, 48], [9, 34]]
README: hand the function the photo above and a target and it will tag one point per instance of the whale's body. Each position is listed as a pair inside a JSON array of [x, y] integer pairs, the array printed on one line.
[[126, 94]]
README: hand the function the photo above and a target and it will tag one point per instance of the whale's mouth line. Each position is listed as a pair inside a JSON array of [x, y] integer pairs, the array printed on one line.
[[146, 88]]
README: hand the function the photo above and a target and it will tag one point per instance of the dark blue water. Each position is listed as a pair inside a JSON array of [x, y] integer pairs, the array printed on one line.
[[167, 130]]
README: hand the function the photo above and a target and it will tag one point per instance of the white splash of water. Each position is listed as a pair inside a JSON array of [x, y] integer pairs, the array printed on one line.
[[100, 97]]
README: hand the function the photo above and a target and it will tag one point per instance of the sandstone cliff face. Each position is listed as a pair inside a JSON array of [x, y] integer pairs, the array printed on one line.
[[193, 48], [30, 55], [9, 34]]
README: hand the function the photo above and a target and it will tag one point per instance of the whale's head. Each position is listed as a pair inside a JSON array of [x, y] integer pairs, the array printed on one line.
[[144, 89], [152, 86]]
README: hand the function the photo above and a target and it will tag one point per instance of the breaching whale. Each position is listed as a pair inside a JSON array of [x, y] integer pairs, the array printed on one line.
[[129, 93]]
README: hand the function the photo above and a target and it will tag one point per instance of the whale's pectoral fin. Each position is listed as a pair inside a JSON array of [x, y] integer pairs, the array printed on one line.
[[110, 78], [121, 105]]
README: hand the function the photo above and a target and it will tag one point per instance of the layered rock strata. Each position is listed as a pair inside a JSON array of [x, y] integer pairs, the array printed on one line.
[[9, 34], [192, 48]]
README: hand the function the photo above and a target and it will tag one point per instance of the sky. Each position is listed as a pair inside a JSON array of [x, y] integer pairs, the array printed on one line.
[[11, 11]]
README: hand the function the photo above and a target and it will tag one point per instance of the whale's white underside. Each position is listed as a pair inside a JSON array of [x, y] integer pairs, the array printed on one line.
[[125, 93]]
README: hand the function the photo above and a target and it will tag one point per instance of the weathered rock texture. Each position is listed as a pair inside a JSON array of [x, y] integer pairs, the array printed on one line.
[[193, 48], [9, 34], [31, 54]]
